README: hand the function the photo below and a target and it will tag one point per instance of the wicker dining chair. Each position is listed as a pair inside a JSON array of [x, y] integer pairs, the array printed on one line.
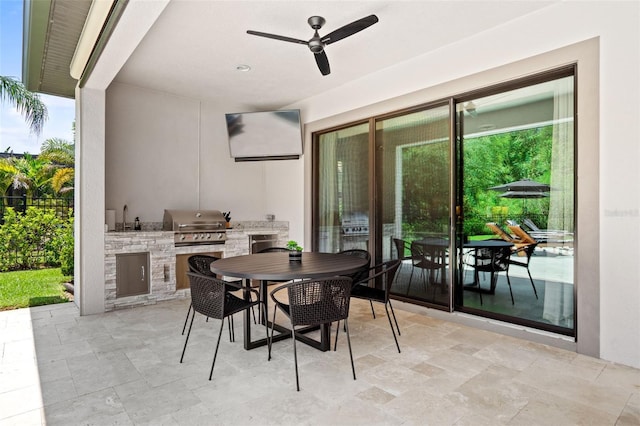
[[211, 297], [201, 264], [367, 290], [493, 260], [528, 251], [313, 302], [364, 271], [430, 260]]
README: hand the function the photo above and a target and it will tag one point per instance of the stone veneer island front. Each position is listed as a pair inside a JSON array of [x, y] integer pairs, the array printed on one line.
[[163, 253]]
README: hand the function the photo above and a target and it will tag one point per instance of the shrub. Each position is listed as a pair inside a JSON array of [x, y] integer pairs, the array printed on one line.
[[36, 238], [66, 251]]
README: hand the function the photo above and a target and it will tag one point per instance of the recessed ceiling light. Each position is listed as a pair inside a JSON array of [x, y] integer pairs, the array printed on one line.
[[243, 68]]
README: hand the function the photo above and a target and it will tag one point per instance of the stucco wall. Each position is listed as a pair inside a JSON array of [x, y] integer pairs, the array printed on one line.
[[165, 151]]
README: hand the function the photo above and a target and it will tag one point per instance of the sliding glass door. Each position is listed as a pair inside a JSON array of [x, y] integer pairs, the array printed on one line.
[[413, 164], [516, 185], [475, 193]]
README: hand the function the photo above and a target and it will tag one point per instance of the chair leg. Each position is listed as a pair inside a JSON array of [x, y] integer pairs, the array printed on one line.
[[273, 323], [476, 277], [215, 354], [353, 368], [230, 323], [511, 292], [335, 345], [186, 319], [295, 357], [372, 311], [410, 278], [391, 325], [187, 338], [532, 284], [393, 313], [266, 329]]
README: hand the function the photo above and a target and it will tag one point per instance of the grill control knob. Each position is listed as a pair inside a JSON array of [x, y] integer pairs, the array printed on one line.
[[181, 237], [208, 236], [195, 236]]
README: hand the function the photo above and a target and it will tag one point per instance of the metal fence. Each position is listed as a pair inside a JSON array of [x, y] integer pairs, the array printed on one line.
[[20, 203]]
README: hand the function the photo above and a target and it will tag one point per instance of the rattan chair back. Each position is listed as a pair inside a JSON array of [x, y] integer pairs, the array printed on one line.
[[201, 263], [314, 302], [494, 259], [207, 295], [401, 248], [363, 273]]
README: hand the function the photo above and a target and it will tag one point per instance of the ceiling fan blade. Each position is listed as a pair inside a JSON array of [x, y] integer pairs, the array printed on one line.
[[323, 62], [349, 29], [277, 37]]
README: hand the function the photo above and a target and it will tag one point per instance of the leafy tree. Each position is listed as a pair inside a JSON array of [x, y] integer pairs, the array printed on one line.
[[26, 102], [497, 159]]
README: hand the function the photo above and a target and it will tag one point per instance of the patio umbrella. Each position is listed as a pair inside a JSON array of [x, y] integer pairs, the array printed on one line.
[[523, 186], [523, 189], [524, 194]]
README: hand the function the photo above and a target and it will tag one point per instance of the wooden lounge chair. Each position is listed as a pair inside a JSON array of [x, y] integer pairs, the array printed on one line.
[[544, 235], [544, 240], [517, 242], [522, 234]]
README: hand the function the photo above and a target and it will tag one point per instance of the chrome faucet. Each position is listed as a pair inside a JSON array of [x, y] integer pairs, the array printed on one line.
[[124, 218]]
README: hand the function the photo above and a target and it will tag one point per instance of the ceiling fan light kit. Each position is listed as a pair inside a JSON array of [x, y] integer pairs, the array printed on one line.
[[317, 44]]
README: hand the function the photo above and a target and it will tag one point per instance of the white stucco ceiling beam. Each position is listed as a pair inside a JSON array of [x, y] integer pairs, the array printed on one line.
[[136, 20]]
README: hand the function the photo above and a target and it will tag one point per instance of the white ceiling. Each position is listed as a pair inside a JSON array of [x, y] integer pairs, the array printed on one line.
[[194, 47]]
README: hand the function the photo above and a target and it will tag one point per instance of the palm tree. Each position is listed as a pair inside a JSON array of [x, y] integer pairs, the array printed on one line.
[[62, 181], [58, 151], [26, 102], [7, 173], [28, 173], [61, 154]]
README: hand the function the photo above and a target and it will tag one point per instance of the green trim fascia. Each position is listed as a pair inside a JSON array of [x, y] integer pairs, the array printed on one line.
[[34, 34]]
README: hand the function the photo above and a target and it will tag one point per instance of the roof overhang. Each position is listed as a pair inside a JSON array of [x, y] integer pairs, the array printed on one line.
[[51, 31]]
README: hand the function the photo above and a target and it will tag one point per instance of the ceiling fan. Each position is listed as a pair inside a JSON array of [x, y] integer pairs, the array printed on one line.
[[316, 43]]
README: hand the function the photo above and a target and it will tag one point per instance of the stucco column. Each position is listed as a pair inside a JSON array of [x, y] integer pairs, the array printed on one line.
[[89, 200]]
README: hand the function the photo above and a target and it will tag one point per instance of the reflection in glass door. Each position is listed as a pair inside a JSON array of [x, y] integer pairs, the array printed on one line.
[[413, 186], [516, 171], [342, 170]]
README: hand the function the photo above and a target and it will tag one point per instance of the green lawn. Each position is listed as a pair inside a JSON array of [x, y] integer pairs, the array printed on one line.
[[21, 289]]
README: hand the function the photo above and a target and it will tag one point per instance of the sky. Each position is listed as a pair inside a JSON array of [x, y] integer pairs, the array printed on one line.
[[15, 134]]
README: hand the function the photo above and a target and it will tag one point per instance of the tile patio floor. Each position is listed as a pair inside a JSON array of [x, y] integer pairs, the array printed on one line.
[[58, 368]]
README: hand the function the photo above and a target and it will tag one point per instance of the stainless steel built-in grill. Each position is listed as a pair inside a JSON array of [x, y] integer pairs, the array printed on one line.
[[195, 227], [355, 224]]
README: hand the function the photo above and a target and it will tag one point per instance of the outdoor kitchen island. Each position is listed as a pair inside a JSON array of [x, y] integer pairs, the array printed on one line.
[[162, 254]]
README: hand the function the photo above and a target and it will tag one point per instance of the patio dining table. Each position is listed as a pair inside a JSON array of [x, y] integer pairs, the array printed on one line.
[[277, 267]]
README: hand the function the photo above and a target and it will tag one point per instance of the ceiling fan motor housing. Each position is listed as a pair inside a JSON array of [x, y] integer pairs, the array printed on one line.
[[315, 45]]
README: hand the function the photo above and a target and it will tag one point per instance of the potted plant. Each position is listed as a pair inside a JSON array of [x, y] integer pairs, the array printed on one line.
[[295, 251]]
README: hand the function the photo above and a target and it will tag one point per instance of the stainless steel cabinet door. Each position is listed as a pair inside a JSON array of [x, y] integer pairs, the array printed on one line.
[[132, 274]]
